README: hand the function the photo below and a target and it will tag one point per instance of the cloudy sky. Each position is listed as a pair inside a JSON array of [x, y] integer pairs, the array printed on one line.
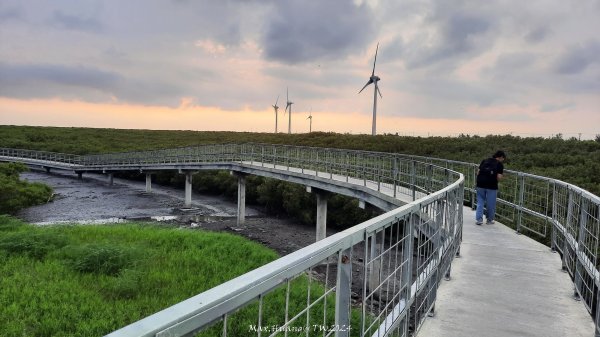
[[446, 67]]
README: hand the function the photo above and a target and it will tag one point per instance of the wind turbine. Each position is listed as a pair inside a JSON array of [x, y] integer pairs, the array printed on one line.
[[374, 79], [310, 117], [275, 107], [288, 105]]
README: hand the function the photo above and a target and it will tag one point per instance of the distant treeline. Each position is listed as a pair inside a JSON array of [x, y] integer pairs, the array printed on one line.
[[570, 160]]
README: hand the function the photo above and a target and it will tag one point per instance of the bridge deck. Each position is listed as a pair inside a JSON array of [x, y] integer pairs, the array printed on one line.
[[506, 284]]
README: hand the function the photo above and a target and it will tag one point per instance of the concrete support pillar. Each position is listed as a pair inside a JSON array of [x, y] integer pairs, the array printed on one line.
[[148, 182], [80, 175], [188, 188], [47, 169], [321, 216], [241, 204], [110, 179], [322, 197], [375, 270]]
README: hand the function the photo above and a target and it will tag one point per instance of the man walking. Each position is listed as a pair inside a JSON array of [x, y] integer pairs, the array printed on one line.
[[489, 173]]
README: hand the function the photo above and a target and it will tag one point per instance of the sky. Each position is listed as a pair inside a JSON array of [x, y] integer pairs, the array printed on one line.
[[529, 68]]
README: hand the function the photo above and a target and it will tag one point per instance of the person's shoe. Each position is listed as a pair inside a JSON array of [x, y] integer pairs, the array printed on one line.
[[479, 222], [490, 222]]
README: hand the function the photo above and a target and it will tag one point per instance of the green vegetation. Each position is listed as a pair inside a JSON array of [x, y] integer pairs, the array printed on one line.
[[571, 160], [104, 277], [91, 280], [16, 194]]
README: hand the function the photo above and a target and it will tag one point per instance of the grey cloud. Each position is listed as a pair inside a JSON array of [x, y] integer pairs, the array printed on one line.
[[25, 74], [517, 67], [557, 107], [458, 34], [7, 14], [461, 28], [301, 31], [577, 59], [28, 81], [73, 22], [537, 35]]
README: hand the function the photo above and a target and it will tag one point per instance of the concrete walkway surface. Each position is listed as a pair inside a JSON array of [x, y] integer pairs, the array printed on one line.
[[508, 285]]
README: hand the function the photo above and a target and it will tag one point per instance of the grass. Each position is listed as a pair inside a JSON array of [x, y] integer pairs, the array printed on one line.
[[72, 280], [91, 280]]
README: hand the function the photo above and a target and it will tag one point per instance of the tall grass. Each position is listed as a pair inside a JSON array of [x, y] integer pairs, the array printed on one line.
[[91, 280]]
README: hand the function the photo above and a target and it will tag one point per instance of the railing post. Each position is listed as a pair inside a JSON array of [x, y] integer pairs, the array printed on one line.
[[521, 185], [450, 223], [347, 166], [597, 318], [407, 277], [474, 186], [570, 202], [413, 179], [580, 242], [429, 177], [554, 218], [395, 177], [343, 292], [333, 164]]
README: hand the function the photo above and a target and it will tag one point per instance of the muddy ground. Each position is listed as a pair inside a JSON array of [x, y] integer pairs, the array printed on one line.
[[93, 200]]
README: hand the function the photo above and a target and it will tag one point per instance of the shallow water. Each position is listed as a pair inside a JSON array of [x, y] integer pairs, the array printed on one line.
[[93, 201]]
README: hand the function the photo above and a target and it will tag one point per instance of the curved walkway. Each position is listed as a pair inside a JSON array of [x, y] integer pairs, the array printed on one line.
[[506, 285]]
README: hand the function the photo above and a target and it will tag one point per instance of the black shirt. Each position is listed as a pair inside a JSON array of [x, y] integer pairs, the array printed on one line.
[[487, 179]]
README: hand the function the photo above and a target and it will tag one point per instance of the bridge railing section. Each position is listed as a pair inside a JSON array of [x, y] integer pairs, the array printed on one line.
[[40, 156], [378, 278], [558, 214]]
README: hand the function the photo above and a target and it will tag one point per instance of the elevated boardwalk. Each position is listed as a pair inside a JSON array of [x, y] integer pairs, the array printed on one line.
[[506, 285]]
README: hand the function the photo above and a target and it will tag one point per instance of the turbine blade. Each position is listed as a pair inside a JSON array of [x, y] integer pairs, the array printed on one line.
[[363, 88], [379, 91], [376, 50], [277, 100]]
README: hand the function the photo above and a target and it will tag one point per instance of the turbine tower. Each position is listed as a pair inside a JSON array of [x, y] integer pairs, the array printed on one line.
[[275, 107], [310, 125], [288, 105], [374, 79]]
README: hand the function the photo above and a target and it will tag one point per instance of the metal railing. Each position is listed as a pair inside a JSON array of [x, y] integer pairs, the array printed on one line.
[[378, 278], [558, 214], [562, 215], [69, 159]]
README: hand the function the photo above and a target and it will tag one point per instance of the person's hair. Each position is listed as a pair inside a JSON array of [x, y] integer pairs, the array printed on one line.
[[499, 154]]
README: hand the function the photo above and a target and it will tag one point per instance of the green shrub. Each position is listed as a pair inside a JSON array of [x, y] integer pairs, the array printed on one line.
[[107, 259], [125, 286], [8, 223], [16, 194], [34, 244]]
